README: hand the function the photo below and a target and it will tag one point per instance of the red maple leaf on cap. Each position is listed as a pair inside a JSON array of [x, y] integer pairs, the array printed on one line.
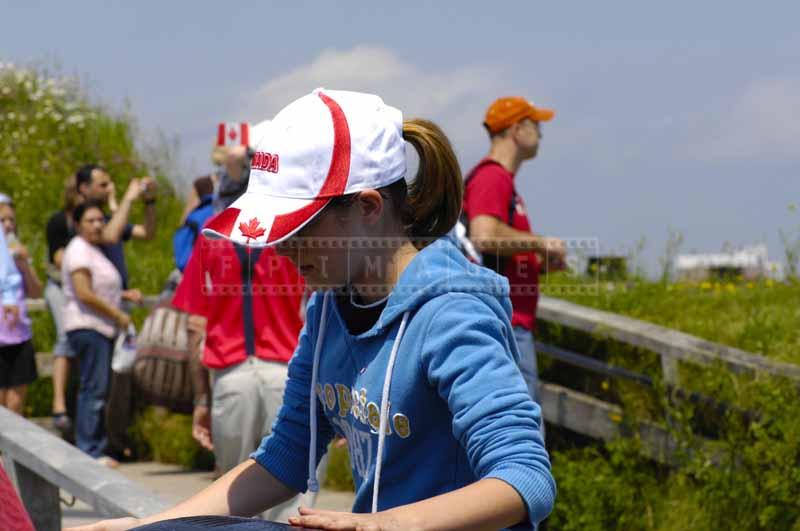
[[252, 229]]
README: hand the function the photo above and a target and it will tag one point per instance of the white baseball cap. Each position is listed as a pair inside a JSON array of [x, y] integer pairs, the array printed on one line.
[[326, 144]]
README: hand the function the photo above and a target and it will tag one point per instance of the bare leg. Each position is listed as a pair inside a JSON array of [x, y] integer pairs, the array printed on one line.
[[15, 398], [61, 365]]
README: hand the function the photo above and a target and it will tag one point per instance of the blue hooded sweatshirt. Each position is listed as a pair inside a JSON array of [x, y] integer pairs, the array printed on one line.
[[458, 409]]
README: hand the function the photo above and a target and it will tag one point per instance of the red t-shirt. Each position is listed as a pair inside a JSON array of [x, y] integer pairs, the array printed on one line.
[[249, 313], [490, 192]]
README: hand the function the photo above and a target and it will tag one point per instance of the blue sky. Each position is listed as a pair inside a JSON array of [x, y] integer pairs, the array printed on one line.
[[682, 115]]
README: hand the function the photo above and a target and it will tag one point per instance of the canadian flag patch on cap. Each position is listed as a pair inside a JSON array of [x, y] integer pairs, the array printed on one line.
[[233, 134]]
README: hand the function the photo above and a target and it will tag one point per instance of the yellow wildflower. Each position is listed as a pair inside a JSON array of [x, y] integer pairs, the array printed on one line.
[[705, 285], [730, 287]]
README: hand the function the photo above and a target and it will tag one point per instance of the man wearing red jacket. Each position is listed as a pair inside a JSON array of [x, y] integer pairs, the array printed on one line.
[[498, 221], [250, 303]]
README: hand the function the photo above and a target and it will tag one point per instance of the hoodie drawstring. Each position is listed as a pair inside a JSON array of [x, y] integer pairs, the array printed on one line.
[[313, 483], [387, 380]]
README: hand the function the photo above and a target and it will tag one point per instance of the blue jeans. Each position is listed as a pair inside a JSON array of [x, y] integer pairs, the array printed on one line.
[[527, 364], [527, 360], [94, 354]]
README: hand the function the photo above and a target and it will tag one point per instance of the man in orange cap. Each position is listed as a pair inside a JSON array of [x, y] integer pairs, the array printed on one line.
[[498, 222]]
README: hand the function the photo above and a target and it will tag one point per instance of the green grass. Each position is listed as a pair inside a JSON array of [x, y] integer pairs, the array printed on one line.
[[761, 317]]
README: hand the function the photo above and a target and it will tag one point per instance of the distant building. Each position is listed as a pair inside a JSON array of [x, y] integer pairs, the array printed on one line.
[[749, 263]]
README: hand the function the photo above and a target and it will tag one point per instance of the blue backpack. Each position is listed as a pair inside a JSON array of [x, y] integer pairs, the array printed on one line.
[[185, 236]]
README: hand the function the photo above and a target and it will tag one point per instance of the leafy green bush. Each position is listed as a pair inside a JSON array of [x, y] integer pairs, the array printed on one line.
[[747, 476], [167, 437], [612, 488], [39, 399]]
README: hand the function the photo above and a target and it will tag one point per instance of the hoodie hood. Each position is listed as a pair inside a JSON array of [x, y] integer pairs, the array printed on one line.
[[439, 269]]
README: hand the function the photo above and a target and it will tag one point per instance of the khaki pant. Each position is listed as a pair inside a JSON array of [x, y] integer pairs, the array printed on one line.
[[246, 399]]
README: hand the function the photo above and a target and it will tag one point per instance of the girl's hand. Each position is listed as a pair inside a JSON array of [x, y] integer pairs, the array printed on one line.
[[120, 524], [334, 520]]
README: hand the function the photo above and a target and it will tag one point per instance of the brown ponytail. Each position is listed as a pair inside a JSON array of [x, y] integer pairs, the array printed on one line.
[[433, 203]]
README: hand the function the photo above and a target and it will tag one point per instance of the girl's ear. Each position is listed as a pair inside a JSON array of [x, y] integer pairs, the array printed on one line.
[[370, 205]]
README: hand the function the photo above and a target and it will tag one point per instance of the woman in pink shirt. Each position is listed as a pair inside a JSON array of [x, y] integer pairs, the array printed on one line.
[[92, 318]]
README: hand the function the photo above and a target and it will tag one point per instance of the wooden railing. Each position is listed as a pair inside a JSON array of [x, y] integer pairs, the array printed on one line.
[[589, 415], [42, 464], [596, 418], [39, 305]]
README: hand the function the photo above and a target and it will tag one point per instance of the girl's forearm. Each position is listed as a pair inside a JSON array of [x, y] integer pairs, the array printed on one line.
[[488, 504], [246, 490]]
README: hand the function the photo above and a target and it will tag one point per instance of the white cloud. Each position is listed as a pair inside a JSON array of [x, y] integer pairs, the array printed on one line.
[[761, 121], [456, 98]]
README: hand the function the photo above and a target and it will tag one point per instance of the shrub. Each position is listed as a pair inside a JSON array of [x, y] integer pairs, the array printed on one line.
[[167, 438], [747, 476]]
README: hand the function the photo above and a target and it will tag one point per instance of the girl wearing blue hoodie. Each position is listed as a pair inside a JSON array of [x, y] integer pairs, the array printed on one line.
[[407, 352]]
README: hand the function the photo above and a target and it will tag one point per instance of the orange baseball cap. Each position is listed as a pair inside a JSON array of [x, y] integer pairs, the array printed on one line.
[[505, 112]]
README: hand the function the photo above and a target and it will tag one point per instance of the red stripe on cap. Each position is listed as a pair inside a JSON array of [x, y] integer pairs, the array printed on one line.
[[335, 182], [245, 134], [224, 221], [221, 135], [286, 223]]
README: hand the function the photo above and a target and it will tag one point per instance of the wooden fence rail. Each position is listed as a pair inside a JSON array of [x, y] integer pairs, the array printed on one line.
[[595, 418], [670, 344]]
